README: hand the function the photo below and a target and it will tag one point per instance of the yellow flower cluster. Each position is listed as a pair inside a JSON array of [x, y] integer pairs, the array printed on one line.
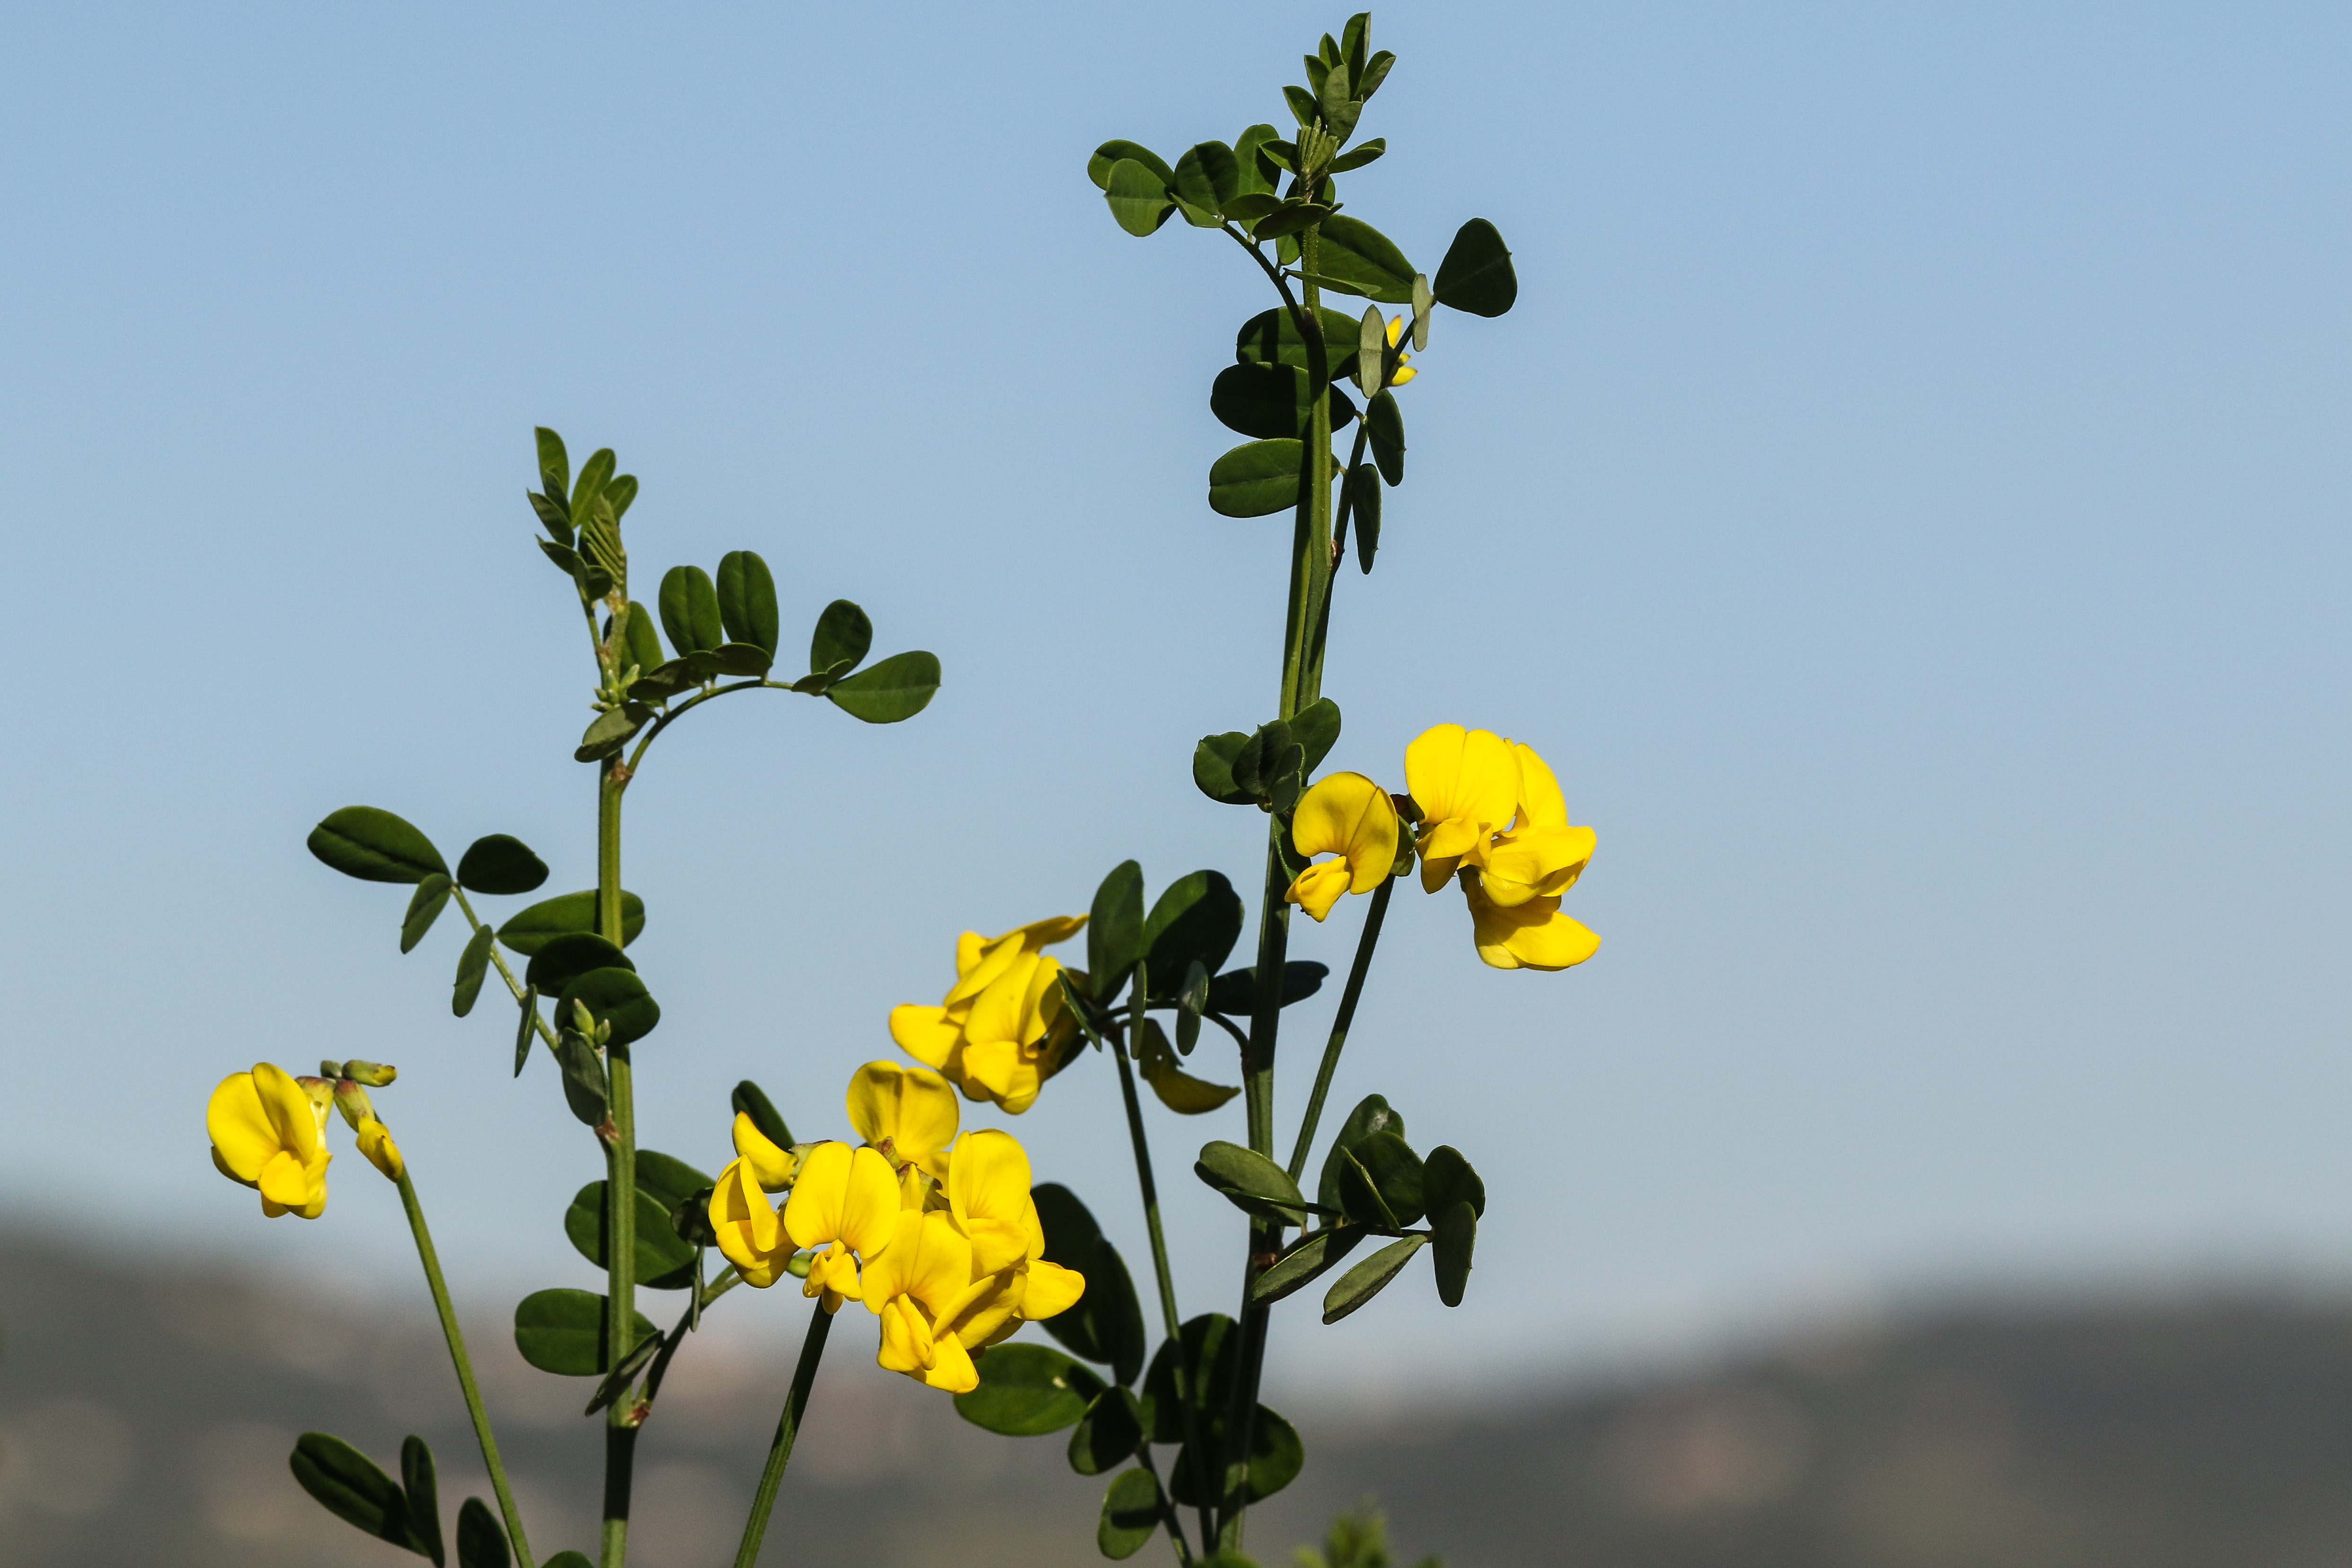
[[269, 1131], [1000, 1031], [936, 1233]]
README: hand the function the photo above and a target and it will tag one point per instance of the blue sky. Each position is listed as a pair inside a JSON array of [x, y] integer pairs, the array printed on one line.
[[1906, 506]]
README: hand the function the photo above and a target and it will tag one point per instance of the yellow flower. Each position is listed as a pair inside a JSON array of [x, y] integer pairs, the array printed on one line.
[[1348, 815], [1529, 935], [771, 1167], [1541, 855], [268, 1132], [1404, 370], [374, 1140], [750, 1232], [1492, 815], [1467, 783], [376, 1143], [906, 1114], [842, 1208], [1001, 1032]]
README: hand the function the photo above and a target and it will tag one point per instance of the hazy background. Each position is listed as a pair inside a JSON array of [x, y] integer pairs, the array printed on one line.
[[1906, 507]]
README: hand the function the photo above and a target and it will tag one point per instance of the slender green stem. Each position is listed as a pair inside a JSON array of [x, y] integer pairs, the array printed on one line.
[[1169, 1517], [545, 1032], [1339, 1022], [457, 1358], [669, 715], [620, 1191], [788, 1427]]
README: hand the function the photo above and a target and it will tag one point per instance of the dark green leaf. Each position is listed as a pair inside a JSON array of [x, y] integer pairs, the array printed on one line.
[[375, 846], [1358, 258], [1098, 167], [620, 490], [664, 681], [424, 1498], [669, 1179], [1304, 1262], [641, 644], [1257, 479], [1317, 729], [1196, 918], [583, 1077], [1138, 197], [1303, 107], [1365, 1281], [1288, 218], [1210, 1347], [750, 1100], [561, 959], [1476, 274], [747, 599], [665, 1260], [481, 1538], [1356, 157], [689, 610], [1208, 176], [550, 518], [614, 996], [1107, 1323], [1271, 337], [1028, 1390], [500, 864], [1457, 1236], [1109, 1434], [1131, 1514], [593, 474], [1375, 72], [843, 637], [1273, 402], [569, 1560], [898, 688], [562, 1331], [1192, 1001], [1385, 423], [1446, 1179], [1212, 768], [351, 1485], [424, 908], [567, 561], [737, 659], [1364, 491], [472, 965], [535, 927], [1235, 991], [1373, 1114], [525, 1028], [1395, 1170], [1250, 1181], [617, 1381], [1115, 931], [610, 732], [1257, 174], [554, 464], [1277, 1456]]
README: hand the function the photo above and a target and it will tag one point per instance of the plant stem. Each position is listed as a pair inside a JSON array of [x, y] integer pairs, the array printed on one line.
[[457, 1358], [1169, 1517], [620, 1191], [1346, 1015], [1160, 1266], [788, 1427]]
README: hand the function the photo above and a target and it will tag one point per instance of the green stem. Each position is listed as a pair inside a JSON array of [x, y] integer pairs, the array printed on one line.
[[1347, 1016], [620, 1191], [1149, 1187], [545, 1031], [457, 1358], [1169, 1517], [788, 1427]]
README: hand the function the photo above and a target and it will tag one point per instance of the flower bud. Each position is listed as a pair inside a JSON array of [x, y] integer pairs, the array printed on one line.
[[375, 1075], [321, 1091], [797, 1265], [352, 1101], [330, 1069]]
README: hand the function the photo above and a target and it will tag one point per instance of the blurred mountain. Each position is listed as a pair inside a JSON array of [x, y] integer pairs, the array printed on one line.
[[147, 1405]]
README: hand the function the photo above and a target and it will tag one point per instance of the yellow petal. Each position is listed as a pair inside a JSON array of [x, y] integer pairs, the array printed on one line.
[[1467, 783], [996, 1244], [293, 1116], [907, 1343], [924, 1032], [869, 1211], [222, 1166], [813, 1214], [954, 1372], [1540, 803], [1535, 863], [1532, 935], [1046, 932], [1052, 1289], [1349, 814], [927, 1259], [1180, 1091], [833, 1273], [997, 954], [988, 1179], [376, 1143], [750, 1234], [771, 1165], [910, 1108], [981, 1313], [243, 1138], [1319, 887], [1405, 371], [285, 1182]]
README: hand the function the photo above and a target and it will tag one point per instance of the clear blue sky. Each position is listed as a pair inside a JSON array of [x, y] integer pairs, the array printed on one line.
[[1907, 506]]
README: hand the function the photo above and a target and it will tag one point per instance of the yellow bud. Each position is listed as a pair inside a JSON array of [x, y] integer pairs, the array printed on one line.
[[352, 1101], [375, 1075]]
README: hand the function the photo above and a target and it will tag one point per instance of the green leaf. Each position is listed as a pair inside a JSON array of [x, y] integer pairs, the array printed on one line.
[[1108, 156], [614, 996], [481, 1538], [1277, 1456], [1394, 1169], [1446, 1179], [424, 1496], [1356, 158], [563, 958], [500, 864], [1273, 402], [1303, 107], [1207, 178], [641, 644], [1115, 931], [1375, 72], [1109, 1434], [1384, 422], [1250, 1181], [1305, 1261], [351, 1485], [620, 490], [747, 599], [583, 1077], [616, 1381], [550, 513], [610, 732], [1366, 1280], [554, 464], [842, 639], [664, 681], [665, 1260], [569, 1560], [898, 688], [1373, 1114], [1212, 768], [562, 1331], [669, 1179], [750, 1100], [737, 659], [1210, 1347], [1235, 991], [1456, 1235], [431, 898], [1476, 274], [1131, 1514], [1316, 727], [1192, 1001], [525, 1028], [1363, 483], [1028, 1390], [1257, 479], [472, 965], [1138, 197], [1256, 175], [375, 846], [1271, 337], [1372, 350], [1106, 1324], [535, 927], [1295, 214], [689, 610], [1358, 258], [1196, 918]]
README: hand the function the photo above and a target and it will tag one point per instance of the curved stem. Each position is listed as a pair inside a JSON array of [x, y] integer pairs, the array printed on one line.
[[670, 714], [457, 1358], [1339, 1022], [788, 1427]]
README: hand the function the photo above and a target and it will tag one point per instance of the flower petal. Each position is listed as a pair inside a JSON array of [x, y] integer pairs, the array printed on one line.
[[813, 1214], [243, 1138], [1319, 887], [925, 1034], [1540, 803], [771, 1165], [1052, 1289]]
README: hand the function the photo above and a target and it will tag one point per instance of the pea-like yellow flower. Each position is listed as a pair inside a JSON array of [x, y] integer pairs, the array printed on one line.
[[1348, 815], [844, 1206], [1467, 783], [772, 1165], [1404, 370], [1492, 815], [268, 1132], [751, 1231], [1002, 1030], [907, 1114], [374, 1140], [375, 1143]]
